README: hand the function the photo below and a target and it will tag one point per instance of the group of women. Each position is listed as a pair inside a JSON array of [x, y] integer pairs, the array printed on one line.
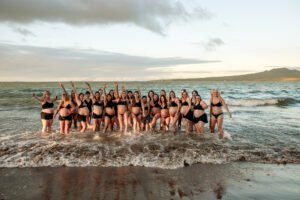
[[126, 109]]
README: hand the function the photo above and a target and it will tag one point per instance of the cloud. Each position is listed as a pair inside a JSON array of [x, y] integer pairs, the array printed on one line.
[[23, 31], [211, 44], [153, 15], [58, 64]]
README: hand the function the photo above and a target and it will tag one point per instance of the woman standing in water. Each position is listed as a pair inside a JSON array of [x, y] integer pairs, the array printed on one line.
[[216, 112], [136, 110], [174, 108], [122, 108], [65, 109], [75, 111], [155, 111], [47, 110], [109, 109], [97, 104], [200, 117], [89, 103], [146, 116], [83, 110], [164, 113], [186, 112]]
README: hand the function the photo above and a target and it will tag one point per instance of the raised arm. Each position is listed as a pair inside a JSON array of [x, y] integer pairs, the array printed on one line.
[[90, 89], [139, 91], [76, 93], [104, 92], [37, 98], [117, 89], [226, 107], [64, 89]]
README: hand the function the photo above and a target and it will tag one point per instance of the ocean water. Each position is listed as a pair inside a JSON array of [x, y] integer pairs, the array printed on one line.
[[265, 128]]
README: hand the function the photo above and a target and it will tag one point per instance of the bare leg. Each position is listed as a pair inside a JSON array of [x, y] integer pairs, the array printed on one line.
[[167, 121], [84, 126], [48, 125], [121, 122], [67, 126], [62, 127], [213, 122], [126, 122], [95, 124], [106, 123], [138, 120], [44, 123], [185, 125], [220, 127]]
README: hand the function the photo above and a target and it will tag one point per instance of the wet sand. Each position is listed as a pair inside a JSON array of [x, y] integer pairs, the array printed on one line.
[[202, 181]]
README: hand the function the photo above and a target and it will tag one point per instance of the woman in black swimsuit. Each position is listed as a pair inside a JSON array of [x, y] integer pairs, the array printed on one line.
[[109, 109], [83, 110], [122, 108], [65, 109], [164, 113], [155, 110], [136, 111], [186, 112], [146, 117], [47, 110], [174, 110], [75, 111], [200, 117], [89, 103], [97, 104], [216, 113]]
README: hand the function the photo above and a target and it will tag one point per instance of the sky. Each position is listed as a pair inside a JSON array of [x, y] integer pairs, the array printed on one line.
[[138, 40]]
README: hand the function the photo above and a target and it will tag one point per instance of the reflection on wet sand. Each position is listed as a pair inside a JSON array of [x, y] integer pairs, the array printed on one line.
[[202, 181], [124, 182]]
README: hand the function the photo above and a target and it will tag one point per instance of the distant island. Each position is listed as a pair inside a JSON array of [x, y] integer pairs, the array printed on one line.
[[276, 74]]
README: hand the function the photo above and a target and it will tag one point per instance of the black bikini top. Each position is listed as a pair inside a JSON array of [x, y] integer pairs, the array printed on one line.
[[47, 105], [88, 103], [156, 105], [185, 103], [68, 106], [198, 107], [82, 104], [164, 107], [137, 104], [146, 107], [110, 104], [97, 103], [122, 102], [219, 104], [173, 104]]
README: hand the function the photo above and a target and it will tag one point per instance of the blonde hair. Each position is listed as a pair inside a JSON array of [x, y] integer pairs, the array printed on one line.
[[217, 91], [45, 93]]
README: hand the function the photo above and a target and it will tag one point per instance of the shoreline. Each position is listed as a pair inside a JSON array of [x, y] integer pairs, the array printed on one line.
[[237, 180]]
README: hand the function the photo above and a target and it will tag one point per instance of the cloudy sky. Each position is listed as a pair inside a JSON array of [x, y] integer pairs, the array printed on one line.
[[96, 40]]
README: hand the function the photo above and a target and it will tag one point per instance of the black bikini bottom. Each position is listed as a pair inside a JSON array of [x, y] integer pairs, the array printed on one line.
[[202, 118], [110, 116], [216, 115], [81, 118], [65, 118], [46, 116], [189, 116], [95, 116]]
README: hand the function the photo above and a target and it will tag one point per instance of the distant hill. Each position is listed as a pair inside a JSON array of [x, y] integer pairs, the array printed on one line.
[[276, 74]]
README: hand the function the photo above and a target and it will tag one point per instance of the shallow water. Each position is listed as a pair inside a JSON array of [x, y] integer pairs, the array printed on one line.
[[265, 128]]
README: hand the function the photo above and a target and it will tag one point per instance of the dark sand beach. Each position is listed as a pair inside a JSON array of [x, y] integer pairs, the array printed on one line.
[[200, 181]]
